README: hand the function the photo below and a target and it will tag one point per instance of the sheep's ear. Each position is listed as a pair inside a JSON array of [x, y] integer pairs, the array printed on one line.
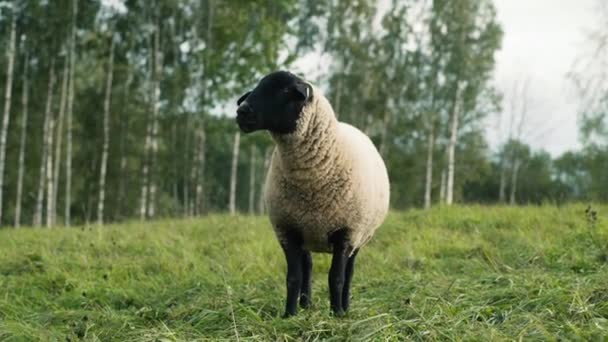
[[242, 98], [303, 91]]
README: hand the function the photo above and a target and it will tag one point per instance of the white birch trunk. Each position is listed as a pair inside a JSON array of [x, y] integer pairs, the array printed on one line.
[[449, 191], [233, 173], [515, 171], [252, 162], [186, 175], [70, 108], [124, 134], [106, 136], [143, 202], [155, 112], [10, 54], [429, 168], [59, 137], [45, 131], [192, 203], [48, 146], [503, 181], [442, 186], [24, 108], [200, 178]]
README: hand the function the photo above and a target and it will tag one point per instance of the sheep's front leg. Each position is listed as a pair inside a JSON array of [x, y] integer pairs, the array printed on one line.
[[348, 276], [305, 294], [293, 254], [340, 251]]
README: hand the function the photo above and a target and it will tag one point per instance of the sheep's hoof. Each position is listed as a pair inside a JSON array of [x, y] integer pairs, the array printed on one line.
[[304, 302], [288, 314], [339, 313]]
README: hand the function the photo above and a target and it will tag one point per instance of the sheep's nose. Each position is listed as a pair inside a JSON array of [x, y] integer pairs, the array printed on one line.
[[244, 109]]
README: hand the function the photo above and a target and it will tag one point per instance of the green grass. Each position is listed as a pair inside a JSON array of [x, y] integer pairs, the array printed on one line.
[[462, 273]]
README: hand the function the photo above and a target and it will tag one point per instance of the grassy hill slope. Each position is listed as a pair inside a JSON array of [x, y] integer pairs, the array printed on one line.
[[449, 273]]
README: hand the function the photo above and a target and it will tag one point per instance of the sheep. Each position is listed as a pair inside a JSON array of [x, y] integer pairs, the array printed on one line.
[[327, 188]]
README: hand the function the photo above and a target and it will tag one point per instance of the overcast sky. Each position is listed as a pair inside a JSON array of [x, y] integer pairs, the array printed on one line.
[[542, 39]]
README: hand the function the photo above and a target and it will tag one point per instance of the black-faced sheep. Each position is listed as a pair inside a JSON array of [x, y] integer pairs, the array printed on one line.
[[327, 188]]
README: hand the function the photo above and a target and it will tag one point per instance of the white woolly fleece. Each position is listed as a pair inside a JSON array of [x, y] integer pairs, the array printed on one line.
[[326, 176]]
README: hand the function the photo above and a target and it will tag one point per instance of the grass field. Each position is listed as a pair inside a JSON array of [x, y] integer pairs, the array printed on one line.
[[462, 273]]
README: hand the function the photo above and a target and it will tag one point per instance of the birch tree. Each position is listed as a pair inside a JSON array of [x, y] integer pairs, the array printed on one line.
[[252, 166], [156, 76], [45, 150], [200, 179], [233, 173], [70, 110], [10, 55], [455, 113], [48, 146], [465, 36], [22, 140], [429, 168], [106, 133], [59, 136]]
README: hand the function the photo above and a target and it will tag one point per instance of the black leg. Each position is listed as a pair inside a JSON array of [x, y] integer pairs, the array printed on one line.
[[293, 254], [305, 291], [348, 276], [341, 250]]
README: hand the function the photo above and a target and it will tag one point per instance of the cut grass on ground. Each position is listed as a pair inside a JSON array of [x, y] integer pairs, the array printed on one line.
[[482, 273]]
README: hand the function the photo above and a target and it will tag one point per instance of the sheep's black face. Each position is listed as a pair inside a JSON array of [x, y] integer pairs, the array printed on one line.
[[275, 104]]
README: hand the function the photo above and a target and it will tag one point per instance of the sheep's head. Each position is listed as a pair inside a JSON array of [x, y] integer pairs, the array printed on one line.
[[275, 104]]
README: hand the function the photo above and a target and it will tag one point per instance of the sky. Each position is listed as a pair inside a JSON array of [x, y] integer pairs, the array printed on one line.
[[542, 39]]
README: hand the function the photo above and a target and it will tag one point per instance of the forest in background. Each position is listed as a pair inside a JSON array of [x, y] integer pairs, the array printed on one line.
[[117, 109]]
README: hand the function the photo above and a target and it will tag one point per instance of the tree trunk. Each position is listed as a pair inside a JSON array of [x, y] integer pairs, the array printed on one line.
[[155, 112], [233, 174], [143, 202], [503, 181], [200, 178], [515, 171], [442, 186], [48, 146], [267, 155], [58, 139], [106, 135], [429, 168], [192, 202], [124, 134], [24, 108], [252, 163], [175, 167], [7, 100], [70, 108], [45, 149], [384, 140], [186, 188], [449, 194]]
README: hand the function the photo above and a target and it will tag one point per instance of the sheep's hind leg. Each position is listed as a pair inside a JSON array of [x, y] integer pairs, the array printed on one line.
[[340, 250], [293, 253], [305, 291], [348, 276]]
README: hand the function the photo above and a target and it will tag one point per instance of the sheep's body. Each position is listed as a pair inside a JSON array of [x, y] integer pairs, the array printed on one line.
[[323, 177]]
